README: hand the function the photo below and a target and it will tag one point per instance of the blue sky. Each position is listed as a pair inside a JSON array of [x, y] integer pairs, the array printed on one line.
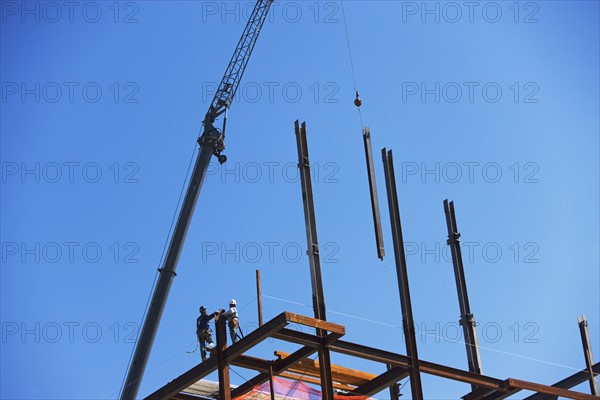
[[494, 107]]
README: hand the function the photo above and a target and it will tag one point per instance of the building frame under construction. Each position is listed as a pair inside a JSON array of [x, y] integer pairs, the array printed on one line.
[[327, 336]]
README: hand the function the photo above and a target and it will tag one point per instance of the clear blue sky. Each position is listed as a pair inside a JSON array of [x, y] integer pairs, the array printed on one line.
[[494, 107]]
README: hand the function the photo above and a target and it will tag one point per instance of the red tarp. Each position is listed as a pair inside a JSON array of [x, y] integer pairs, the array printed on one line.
[[291, 390]]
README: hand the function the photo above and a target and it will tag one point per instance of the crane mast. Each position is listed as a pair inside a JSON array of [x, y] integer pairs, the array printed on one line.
[[212, 142]]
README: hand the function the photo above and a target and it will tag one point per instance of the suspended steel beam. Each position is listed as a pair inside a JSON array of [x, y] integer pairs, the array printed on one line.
[[587, 352], [373, 191], [313, 255], [467, 320], [259, 298], [401, 272]]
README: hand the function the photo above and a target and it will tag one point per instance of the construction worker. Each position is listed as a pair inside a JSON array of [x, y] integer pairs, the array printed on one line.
[[231, 316], [204, 332]]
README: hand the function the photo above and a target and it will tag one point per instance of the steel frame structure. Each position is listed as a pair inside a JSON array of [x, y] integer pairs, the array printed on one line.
[[327, 334]]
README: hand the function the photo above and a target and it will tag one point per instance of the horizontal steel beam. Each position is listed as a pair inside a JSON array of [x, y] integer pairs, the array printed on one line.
[[381, 382]]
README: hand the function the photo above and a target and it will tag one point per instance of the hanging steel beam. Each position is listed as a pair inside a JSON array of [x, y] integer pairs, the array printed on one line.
[[401, 271], [467, 320], [373, 191], [313, 255], [259, 298], [587, 352]]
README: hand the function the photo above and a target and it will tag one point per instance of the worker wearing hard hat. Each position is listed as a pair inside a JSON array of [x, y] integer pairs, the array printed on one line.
[[231, 316], [204, 332]]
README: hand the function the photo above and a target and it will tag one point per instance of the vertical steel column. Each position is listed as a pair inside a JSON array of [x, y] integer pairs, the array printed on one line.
[[394, 388], [259, 298], [467, 320], [271, 382], [401, 271], [224, 383], [313, 256], [587, 352], [373, 191]]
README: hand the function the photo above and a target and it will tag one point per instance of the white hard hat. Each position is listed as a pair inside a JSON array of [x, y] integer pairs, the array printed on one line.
[[232, 302]]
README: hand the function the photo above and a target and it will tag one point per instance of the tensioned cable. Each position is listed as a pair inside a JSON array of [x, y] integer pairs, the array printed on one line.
[[162, 257], [430, 334], [351, 60]]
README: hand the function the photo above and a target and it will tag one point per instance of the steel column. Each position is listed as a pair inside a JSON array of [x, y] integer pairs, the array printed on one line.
[[313, 256], [467, 319], [224, 384], [373, 191], [587, 352], [401, 271]]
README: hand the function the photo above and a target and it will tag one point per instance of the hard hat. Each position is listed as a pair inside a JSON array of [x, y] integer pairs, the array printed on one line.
[[202, 308], [232, 302]]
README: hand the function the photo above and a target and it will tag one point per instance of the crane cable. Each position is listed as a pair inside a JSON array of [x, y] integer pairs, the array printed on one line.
[[357, 101]]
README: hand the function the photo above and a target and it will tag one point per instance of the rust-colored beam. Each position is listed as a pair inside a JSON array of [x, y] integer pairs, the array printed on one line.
[[224, 383], [208, 366], [304, 339], [315, 323], [278, 367], [382, 381], [185, 380], [248, 362], [552, 390], [567, 383], [347, 376], [314, 380]]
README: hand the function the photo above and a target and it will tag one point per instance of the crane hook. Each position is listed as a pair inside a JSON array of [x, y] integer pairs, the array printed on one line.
[[357, 100]]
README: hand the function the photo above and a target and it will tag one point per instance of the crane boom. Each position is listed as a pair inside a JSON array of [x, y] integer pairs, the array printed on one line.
[[211, 143]]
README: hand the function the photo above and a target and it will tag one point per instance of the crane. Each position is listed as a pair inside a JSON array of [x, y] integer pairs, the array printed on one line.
[[211, 142]]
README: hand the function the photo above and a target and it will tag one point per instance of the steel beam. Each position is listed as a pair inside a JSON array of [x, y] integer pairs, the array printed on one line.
[[313, 255], [185, 380], [259, 298], [587, 352], [467, 320], [278, 367], [401, 272], [373, 191], [387, 379], [567, 383]]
